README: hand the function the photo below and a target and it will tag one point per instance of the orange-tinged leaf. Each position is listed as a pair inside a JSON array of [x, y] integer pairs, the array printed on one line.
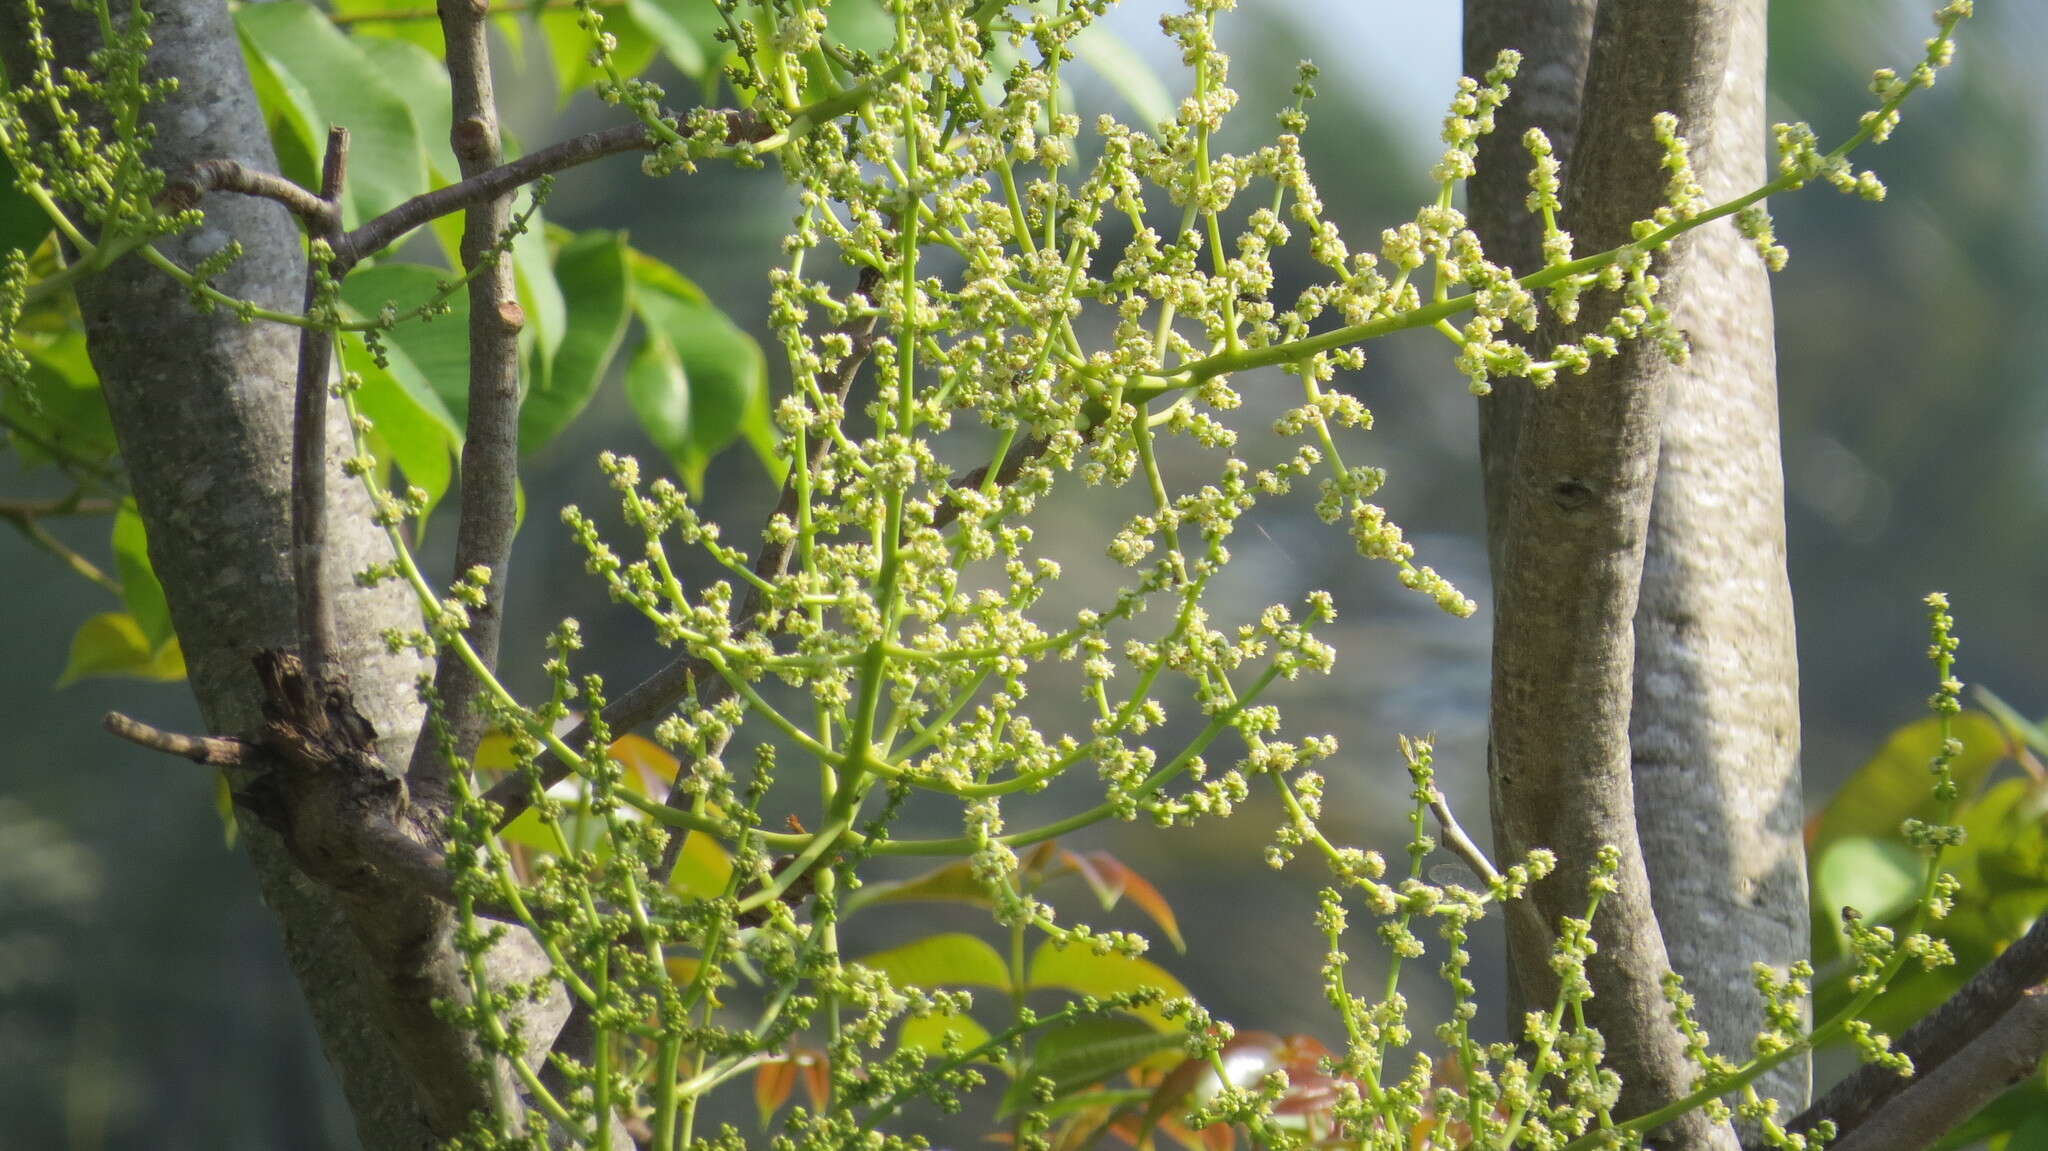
[[772, 1085], [1081, 1128], [650, 769], [1038, 859], [1111, 879], [815, 1069]]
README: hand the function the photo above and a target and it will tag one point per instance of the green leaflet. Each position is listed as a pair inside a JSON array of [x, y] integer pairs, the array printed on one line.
[[949, 959], [591, 269], [569, 47], [1082, 971], [139, 586], [387, 156], [683, 28], [112, 644], [22, 222], [1083, 1053], [929, 1034], [409, 425], [699, 382], [433, 364]]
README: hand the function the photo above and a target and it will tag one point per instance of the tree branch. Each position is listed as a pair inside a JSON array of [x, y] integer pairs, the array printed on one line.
[[217, 175], [1970, 1012], [309, 439], [1460, 843], [490, 446], [1555, 38], [486, 185], [212, 750], [1714, 725], [493, 183], [204, 421], [1013, 466], [27, 516], [1994, 1059]]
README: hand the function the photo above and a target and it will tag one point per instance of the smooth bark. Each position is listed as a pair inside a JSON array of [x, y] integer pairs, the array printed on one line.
[[1714, 730], [1714, 719], [1571, 516], [1555, 38]]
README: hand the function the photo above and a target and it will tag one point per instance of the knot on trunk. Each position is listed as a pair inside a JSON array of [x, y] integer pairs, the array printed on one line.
[[320, 782]]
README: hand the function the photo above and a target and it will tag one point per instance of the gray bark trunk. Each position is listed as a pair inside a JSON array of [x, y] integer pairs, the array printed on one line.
[[1570, 478], [1555, 37], [202, 407], [1715, 724]]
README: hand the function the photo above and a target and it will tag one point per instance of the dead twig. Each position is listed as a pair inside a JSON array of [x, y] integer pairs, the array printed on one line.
[[1461, 844], [212, 750], [319, 214]]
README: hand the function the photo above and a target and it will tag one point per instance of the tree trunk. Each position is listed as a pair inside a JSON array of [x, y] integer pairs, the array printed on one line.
[[1570, 478], [1715, 724], [202, 407], [1714, 721]]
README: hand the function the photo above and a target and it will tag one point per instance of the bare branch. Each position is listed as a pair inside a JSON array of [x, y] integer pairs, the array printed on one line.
[[490, 447], [309, 440], [71, 505], [1937, 1101], [27, 516], [105, 474], [411, 15], [486, 185], [1945, 1031], [213, 750], [1461, 845], [183, 192]]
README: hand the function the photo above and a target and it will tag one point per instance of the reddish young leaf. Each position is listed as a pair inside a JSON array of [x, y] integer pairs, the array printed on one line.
[[816, 1072], [772, 1085], [1112, 879]]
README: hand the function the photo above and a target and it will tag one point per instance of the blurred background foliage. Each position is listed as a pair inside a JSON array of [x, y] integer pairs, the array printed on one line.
[[143, 999]]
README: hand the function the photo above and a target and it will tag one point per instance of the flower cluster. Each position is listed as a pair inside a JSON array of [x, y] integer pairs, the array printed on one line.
[[1030, 312], [986, 312]]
